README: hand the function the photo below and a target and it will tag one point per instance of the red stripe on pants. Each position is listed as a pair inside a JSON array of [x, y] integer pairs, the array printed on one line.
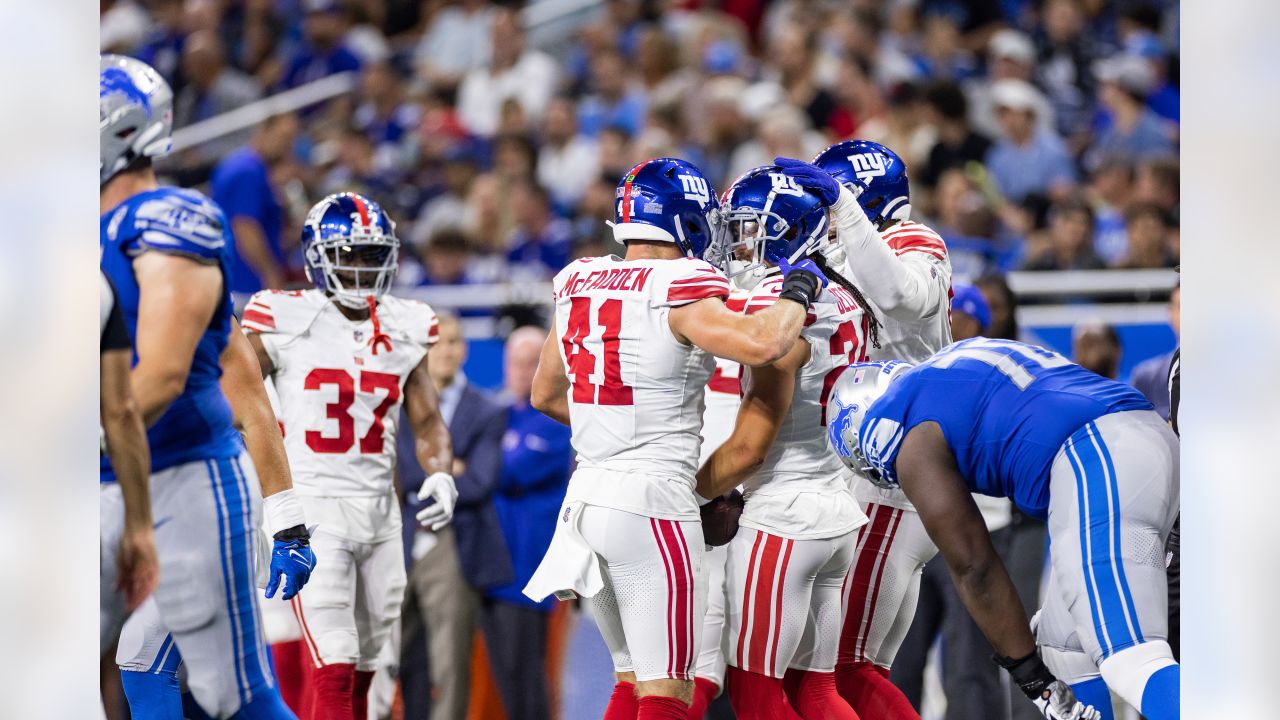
[[746, 597], [861, 574], [777, 606], [875, 590]]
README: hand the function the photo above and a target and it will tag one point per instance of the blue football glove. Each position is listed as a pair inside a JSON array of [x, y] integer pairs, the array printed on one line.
[[291, 558], [804, 265], [811, 178]]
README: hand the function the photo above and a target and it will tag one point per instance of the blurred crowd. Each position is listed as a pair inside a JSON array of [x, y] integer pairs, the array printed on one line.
[[1038, 134]]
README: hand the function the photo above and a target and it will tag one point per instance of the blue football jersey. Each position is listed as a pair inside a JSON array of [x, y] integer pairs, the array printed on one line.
[[1005, 408], [197, 426]]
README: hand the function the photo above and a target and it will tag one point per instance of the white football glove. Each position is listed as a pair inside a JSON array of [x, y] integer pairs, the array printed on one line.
[[439, 487], [1061, 704]]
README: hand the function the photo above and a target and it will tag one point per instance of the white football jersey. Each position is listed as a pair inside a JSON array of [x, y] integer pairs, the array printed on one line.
[[636, 392], [340, 385], [801, 490], [914, 341], [724, 394]]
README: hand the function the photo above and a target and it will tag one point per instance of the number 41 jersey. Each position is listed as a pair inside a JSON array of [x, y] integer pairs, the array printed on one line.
[[341, 384], [636, 393]]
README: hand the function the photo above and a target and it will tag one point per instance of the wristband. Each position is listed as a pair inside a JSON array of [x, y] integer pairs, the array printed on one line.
[[1029, 672], [801, 286], [282, 511]]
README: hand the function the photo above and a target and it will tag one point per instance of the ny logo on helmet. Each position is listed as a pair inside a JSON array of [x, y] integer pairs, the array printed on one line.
[[785, 185], [695, 188], [867, 166]]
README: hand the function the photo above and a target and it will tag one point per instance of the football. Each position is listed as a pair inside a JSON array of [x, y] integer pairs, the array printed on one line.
[[720, 518]]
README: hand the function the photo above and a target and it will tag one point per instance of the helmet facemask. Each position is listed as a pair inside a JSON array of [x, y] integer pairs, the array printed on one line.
[[354, 268], [751, 241]]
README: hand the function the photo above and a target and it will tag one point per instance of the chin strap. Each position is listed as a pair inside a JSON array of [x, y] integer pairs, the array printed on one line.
[[378, 338]]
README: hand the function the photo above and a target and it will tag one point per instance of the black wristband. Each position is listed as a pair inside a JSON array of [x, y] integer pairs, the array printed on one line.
[[801, 286], [1029, 673], [297, 533]]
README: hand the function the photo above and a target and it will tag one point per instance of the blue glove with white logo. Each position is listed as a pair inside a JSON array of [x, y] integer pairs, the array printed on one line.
[[811, 178], [291, 558]]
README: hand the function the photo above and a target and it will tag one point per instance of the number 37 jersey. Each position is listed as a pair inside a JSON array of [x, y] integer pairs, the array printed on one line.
[[636, 393], [340, 384]]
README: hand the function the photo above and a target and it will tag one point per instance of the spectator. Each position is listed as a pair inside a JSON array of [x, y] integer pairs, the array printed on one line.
[[514, 73], [947, 110], [514, 159], [1070, 239], [456, 42], [541, 242], [322, 52], [212, 89], [1097, 348], [1134, 130], [1010, 56], [1157, 181], [970, 315], [722, 128], [568, 160], [448, 208], [966, 223], [1149, 241], [1151, 376], [384, 117], [793, 51], [1026, 159], [164, 45], [1003, 305], [242, 185], [780, 133], [445, 258], [614, 99], [450, 569], [658, 60], [616, 156], [1065, 71], [536, 459], [1110, 190]]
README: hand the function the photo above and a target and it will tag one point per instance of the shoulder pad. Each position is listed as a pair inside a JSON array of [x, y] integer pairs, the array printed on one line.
[[692, 280], [910, 236], [411, 317], [281, 312], [181, 221]]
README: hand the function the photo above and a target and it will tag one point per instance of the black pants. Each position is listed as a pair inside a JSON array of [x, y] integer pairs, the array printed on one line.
[[516, 637], [975, 687]]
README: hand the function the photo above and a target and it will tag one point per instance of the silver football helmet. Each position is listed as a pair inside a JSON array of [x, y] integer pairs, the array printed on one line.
[[857, 387], [135, 114]]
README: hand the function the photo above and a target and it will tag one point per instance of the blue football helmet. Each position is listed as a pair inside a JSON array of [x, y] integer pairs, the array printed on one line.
[[135, 114], [351, 249], [667, 200], [766, 217], [875, 170]]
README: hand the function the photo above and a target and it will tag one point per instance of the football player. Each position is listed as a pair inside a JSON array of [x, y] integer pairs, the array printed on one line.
[[902, 268], [626, 366], [343, 358], [788, 561], [166, 252], [1088, 454]]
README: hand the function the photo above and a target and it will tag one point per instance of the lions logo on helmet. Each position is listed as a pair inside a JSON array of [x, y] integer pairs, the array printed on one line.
[[135, 114], [863, 449]]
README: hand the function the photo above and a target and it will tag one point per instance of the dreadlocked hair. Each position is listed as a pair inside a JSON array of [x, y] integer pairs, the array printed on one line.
[[873, 323]]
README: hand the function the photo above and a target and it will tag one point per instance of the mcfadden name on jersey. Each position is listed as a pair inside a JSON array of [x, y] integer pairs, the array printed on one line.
[[636, 392], [341, 384]]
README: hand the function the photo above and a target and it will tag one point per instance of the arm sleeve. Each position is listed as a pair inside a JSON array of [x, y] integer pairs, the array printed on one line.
[[484, 463], [901, 285], [115, 336]]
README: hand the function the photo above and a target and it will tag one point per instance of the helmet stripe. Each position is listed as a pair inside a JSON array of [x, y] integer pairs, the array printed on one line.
[[364, 209], [626, 191]]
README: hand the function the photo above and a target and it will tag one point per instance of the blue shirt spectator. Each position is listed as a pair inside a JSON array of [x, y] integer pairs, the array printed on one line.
[[1025, 159], [540, 238], [322, 53], [241, 184], [612, 103]]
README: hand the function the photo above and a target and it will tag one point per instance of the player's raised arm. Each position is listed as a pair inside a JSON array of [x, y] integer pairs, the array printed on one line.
[[902, 284], [757, 339], [767, 394], [550, 394], [177, 299]]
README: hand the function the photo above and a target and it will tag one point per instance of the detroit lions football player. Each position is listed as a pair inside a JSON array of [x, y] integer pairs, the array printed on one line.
[[1090, 455]]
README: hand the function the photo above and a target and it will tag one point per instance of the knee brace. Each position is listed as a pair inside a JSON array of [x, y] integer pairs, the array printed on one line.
[[1129, 672]]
